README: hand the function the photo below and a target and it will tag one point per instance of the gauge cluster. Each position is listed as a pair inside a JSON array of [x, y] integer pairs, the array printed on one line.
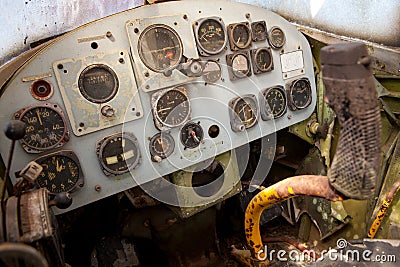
[[141, 94]]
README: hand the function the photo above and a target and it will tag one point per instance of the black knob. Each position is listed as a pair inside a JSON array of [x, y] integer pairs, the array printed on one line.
[[62, 200], [15, 129]]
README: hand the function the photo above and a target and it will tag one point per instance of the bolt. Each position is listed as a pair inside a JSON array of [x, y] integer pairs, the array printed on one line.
[[97, 188], [121, 60], [289, 116], [247, 15], [108, 34]]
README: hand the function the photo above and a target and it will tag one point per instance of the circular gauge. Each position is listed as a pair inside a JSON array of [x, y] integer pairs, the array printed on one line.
[[245, 110], [45, 127], [300, 93], [240, 65], [160, 48], [161, 146], [172, 108], [98, 83], [211, 71], [191, 135], [259, 31], [118, 153], [263, 59], [275, 99], [240, 35], [276, 37], [61, 172], [211, 36]]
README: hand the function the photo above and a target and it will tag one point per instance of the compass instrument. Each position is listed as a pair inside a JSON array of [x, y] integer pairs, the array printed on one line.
[[259, 31], [172, 107], [45, 127], [239, 64], [243, 112], [191, 135], [118, 153], [210, 35], [262, 60], [273, 103], [61, 172], [239, 35], [161, 146], [276, 37], [299, 95], [160, 48]]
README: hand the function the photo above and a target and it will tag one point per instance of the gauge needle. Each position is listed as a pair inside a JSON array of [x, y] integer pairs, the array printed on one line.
[[38, 115], [193, 134], [58, 167], [163, 109]]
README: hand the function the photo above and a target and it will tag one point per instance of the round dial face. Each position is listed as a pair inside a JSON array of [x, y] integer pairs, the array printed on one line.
[[259, 30], [211, 71], [45, 127], [300, 93], [245, 109], [173, 108], [191, 135], [240, 65], [160, 48], [162, 145], [61, 173], [98, 83], [211, 36], [276, 100], [277, 37], [241, 35], [118, 153], [263, 59]]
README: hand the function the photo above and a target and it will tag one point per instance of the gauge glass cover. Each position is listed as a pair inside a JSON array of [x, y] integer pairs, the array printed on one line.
[[240, 65], [259, 31], [245, 109], [300, 93], [162, 145], [45, 127], [275, 99], [263, 59], [211, 36], [172, 108], [191, 135], [118, 153], [241, 35], [160, 48], [276, 37], [211, 71]]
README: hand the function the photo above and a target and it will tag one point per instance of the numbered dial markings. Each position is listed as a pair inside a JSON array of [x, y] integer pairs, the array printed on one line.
[[45, 128], [262, 60], [239, 35], [244, 112], [276, 37], [160, 48], [300, 94], [172, 107], [118, 153], [239, 64], [161, 146], [210, 35], [61, 172], [191, 135], [274, 102], [259, 31]]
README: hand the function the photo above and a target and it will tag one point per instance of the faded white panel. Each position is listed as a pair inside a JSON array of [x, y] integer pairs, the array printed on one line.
[[26, 21], [373, 20]]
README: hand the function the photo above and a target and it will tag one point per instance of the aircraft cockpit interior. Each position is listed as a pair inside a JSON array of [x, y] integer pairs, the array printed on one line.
[[201, 133]]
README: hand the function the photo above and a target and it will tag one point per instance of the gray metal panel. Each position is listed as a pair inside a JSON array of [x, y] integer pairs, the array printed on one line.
[[209, 102]]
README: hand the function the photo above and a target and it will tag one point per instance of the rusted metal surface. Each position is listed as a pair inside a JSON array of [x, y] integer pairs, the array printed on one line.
[[383, 209], [312, 185], [19, 254]]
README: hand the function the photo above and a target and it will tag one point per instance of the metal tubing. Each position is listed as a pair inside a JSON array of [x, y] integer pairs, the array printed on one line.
[[311, 185]]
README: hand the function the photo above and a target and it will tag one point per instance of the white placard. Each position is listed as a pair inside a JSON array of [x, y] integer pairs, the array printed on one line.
[[292, 61]]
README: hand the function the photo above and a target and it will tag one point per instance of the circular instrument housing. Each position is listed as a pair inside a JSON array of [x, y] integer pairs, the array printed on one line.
[[276, 37], [160, 48], [239, 35], [118, 153], [262, 60], [211, 71], [191, 135], [273, 103], [161, 146], [61, 172], [259, 31], [98, 83], [46, 127], [243, 112], [239, 64], [41, 89], [171, 107], [210, 35], [299, 94]]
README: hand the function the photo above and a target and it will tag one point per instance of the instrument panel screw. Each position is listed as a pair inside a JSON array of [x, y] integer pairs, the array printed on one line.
[[97, 188], [247, 15], [108, 34]]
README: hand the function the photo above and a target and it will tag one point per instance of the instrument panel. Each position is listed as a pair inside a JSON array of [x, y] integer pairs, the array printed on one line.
[[153, 90]]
